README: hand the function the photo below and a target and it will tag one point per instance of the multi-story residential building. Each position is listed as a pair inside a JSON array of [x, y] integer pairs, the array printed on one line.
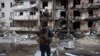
[[85, 15], [28, 15], [60, 11], [25, 16], [5, 10]]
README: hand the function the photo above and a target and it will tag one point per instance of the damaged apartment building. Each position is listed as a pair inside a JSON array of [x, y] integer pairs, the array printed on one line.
[[5, 10], [85, 15], [82, 15], [26, 16]]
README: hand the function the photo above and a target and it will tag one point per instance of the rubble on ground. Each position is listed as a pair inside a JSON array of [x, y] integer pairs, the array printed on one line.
[[88, 40]]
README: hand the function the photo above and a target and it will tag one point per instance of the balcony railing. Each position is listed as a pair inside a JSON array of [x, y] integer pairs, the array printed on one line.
[[30, 17], [89, 5], [23, 29], [87, 18], [23, 7], [93, 18]]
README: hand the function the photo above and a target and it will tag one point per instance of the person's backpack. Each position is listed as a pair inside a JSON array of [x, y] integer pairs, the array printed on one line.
[[50, 33]]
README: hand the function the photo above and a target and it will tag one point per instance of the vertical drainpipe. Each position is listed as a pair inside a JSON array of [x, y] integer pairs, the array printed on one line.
[[39, 14], [67, 17]]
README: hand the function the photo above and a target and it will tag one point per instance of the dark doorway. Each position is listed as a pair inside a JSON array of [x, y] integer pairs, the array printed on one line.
[[90, 12], [63, 14], [90, 23], [45, 4], [76, 25], [76, 13]]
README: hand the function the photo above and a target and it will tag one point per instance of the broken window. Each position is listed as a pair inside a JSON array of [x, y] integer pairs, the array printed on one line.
[[21, 3], [32, 13], [77, 2], [63, 14], [90, 1], [21, 13], [29, 23], [76, 13], [90, 23], [32, 2], [2, 5], [63, 22], [45, 4], [11, 4], [76, 25], [46, 13], [90, 12], [63, 3], [3, 15]]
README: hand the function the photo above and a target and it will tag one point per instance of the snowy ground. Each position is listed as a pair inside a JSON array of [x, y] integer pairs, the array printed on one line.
[[87, 46], [17, 41]]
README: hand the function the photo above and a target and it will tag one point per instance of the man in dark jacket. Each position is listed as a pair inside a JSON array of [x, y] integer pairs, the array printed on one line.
[[45, 40]]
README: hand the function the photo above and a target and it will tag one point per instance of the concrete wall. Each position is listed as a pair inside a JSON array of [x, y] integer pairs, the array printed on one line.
[[26, 15], [7, 10]]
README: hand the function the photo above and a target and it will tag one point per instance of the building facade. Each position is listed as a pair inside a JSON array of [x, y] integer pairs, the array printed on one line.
[[25, 16], [85, 15], [5, 10], [28, 15]]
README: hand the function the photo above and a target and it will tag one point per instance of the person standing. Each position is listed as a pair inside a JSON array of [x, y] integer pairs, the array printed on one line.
[[45, 38]]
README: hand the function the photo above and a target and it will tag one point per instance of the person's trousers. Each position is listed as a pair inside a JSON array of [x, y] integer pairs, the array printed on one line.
[[45, 49]]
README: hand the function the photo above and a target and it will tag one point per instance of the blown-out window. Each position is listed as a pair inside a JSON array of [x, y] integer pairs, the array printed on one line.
[[32, 2], [21, 13], [32, 13], [45, 4], [2, 5]]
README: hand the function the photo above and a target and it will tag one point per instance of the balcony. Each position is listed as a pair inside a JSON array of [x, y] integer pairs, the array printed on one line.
[[23, 29], [60, 7], [30, 17], [95, 5], [93, 18], [25, 7], [81, 6], [87, 18]]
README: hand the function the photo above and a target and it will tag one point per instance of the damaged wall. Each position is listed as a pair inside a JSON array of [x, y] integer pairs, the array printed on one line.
[[26, 15], [49, 5], [84, 26]]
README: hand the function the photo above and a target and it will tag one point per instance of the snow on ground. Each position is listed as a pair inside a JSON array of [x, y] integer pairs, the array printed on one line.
[[38, 53], [89, 40], [17, 41]]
